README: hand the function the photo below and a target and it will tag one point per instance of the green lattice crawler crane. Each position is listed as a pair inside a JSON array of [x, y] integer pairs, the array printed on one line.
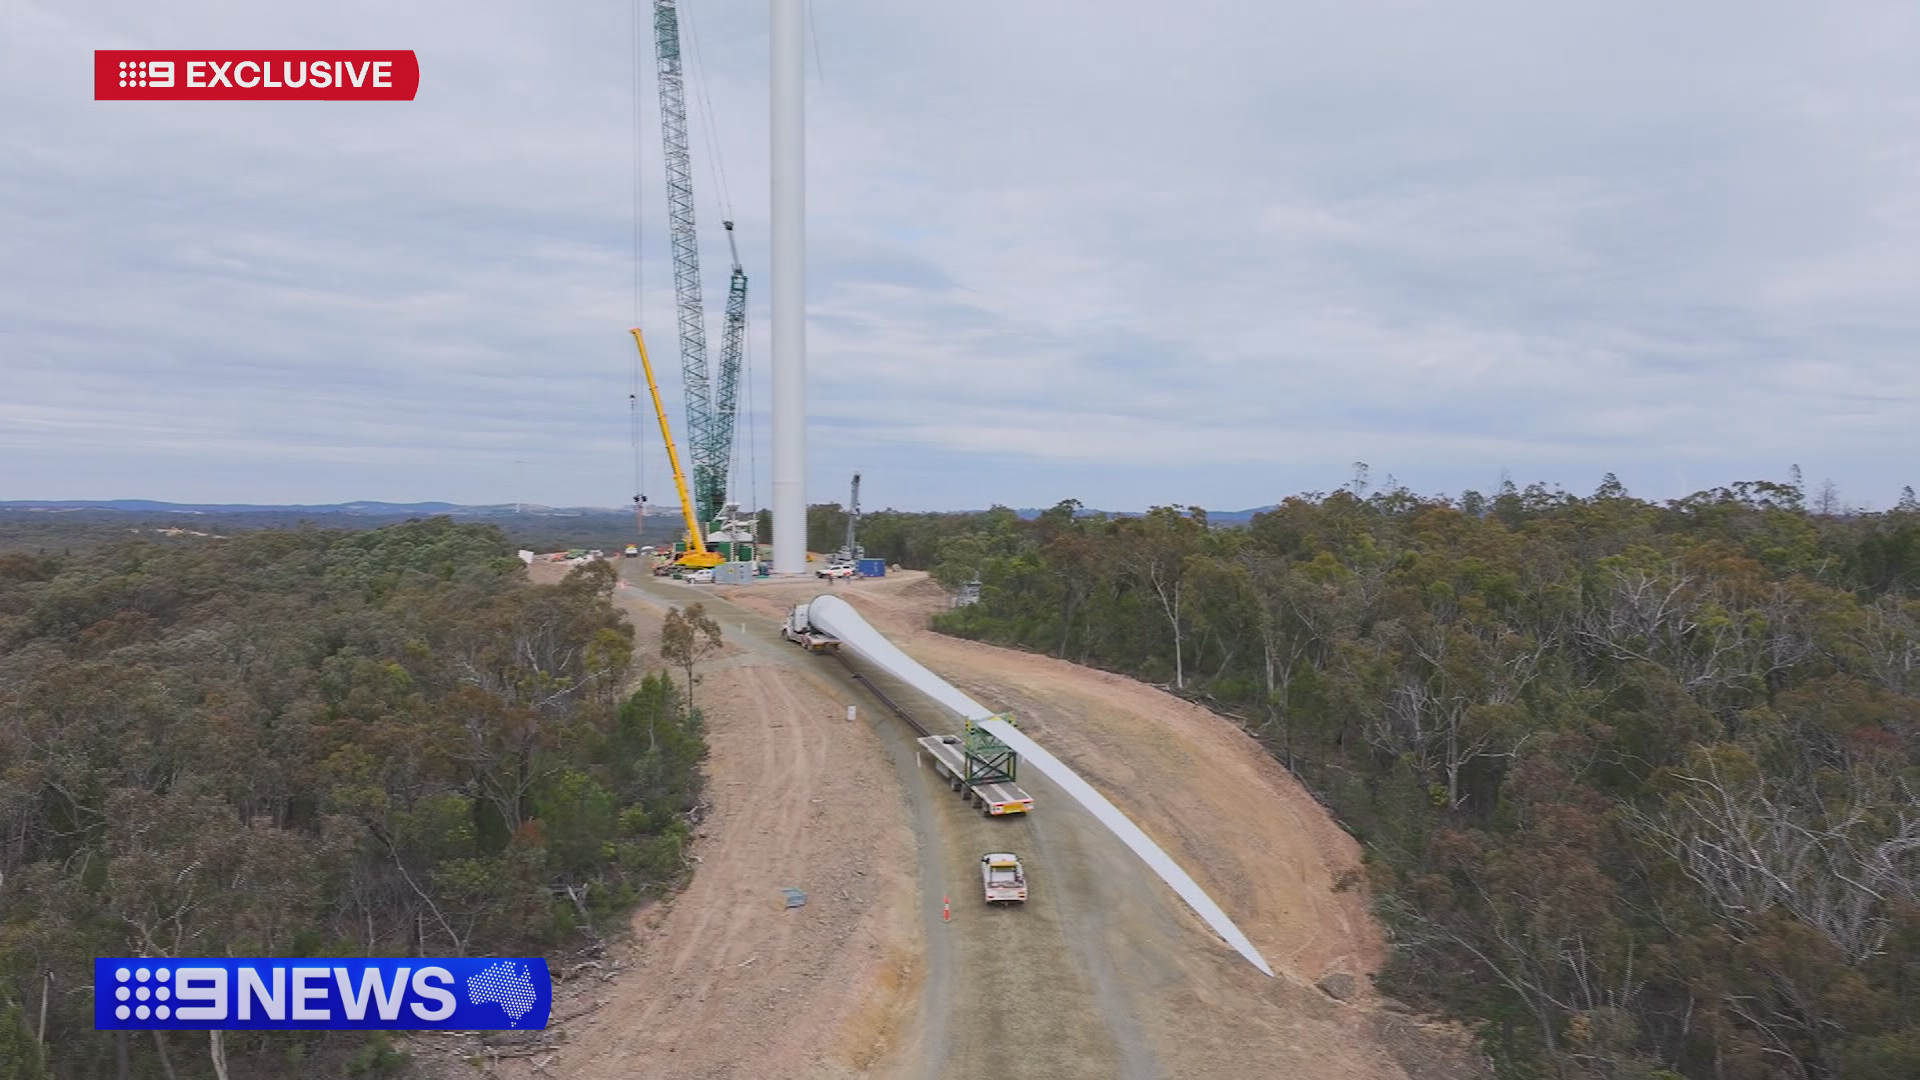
[[710, 411]]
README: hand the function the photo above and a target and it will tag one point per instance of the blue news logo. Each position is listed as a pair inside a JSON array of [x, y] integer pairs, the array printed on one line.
[[487, 994]]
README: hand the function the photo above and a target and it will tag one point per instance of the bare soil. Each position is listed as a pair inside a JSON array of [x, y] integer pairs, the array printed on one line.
[[724, 980], [1223, 808], [896, 968]]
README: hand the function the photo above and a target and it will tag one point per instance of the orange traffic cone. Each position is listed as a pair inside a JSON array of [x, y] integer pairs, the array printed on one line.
[[946, 910]]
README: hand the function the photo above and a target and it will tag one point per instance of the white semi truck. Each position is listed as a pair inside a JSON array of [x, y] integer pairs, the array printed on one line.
[[801, 632]]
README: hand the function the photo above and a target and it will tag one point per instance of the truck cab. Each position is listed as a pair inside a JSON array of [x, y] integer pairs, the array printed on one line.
[[799, 629], [1004, 879]]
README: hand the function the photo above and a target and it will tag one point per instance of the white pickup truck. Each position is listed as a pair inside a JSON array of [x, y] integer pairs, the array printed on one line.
[[1005, 881], [837, 570]]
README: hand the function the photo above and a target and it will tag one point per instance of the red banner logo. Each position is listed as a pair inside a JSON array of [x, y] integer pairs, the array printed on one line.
[[255, 75]]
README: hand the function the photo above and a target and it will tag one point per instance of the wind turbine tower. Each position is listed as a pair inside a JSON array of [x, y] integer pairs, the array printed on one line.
[[788, 80]]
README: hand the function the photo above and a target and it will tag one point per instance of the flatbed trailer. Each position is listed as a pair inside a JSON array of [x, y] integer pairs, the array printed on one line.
[[813, 641], [977, 765], [993, 795]]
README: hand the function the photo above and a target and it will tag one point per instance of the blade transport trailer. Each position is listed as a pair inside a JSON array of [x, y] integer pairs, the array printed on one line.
[[839, 618], [975, 764], [981, 768]]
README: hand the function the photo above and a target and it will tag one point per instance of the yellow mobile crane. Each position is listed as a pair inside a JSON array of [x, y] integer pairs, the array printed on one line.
[[696, 556]]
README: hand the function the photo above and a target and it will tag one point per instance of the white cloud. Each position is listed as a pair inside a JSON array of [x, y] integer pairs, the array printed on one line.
[[1115, 251]]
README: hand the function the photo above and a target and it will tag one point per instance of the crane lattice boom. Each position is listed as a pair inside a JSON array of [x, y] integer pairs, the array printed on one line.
[[710, 416], [733, 334]]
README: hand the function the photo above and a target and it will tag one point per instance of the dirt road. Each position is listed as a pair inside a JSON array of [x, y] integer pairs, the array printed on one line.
[[1104, 973], [1105, 939], [724, 980], [1029, 991]]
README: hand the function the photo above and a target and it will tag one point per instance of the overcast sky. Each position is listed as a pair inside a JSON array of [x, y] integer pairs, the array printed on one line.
[[1127, 252]]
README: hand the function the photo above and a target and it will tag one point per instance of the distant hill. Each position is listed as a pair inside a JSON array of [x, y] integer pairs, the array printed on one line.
[[1217, 517], [1237, 517], [68, 524], [364, 509], [430, 509]]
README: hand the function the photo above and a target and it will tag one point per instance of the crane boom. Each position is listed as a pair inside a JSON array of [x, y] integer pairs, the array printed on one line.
[[694, 374], [853, 517], [697, 553], [733, 332]]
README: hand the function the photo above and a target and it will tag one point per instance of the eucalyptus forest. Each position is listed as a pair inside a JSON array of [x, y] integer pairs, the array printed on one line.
[[1637, 782], [313, 743]]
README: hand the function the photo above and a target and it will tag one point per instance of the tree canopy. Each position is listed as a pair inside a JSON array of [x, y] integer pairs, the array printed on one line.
[[1637, 781], [308, 743]]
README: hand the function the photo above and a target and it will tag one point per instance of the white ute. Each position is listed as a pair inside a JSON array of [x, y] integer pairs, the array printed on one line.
[[1005, 881]]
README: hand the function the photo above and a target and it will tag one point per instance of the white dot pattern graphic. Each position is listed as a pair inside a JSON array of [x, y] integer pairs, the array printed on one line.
[[142, 993], [506, 984]]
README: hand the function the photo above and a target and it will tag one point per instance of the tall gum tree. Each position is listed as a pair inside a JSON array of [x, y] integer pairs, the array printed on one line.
[[1161, 543]]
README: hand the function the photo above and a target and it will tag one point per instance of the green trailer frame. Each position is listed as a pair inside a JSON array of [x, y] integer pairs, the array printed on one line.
[[989, 761]]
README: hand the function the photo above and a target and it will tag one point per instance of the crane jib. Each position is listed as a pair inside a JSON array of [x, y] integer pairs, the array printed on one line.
[[710, 409]]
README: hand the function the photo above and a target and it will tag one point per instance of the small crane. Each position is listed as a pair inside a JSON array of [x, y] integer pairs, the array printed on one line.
[[696, 556], [853, 517]]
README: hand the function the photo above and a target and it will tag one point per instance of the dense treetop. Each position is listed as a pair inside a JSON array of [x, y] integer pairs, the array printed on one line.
[[307, 743], [1637, 782]]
